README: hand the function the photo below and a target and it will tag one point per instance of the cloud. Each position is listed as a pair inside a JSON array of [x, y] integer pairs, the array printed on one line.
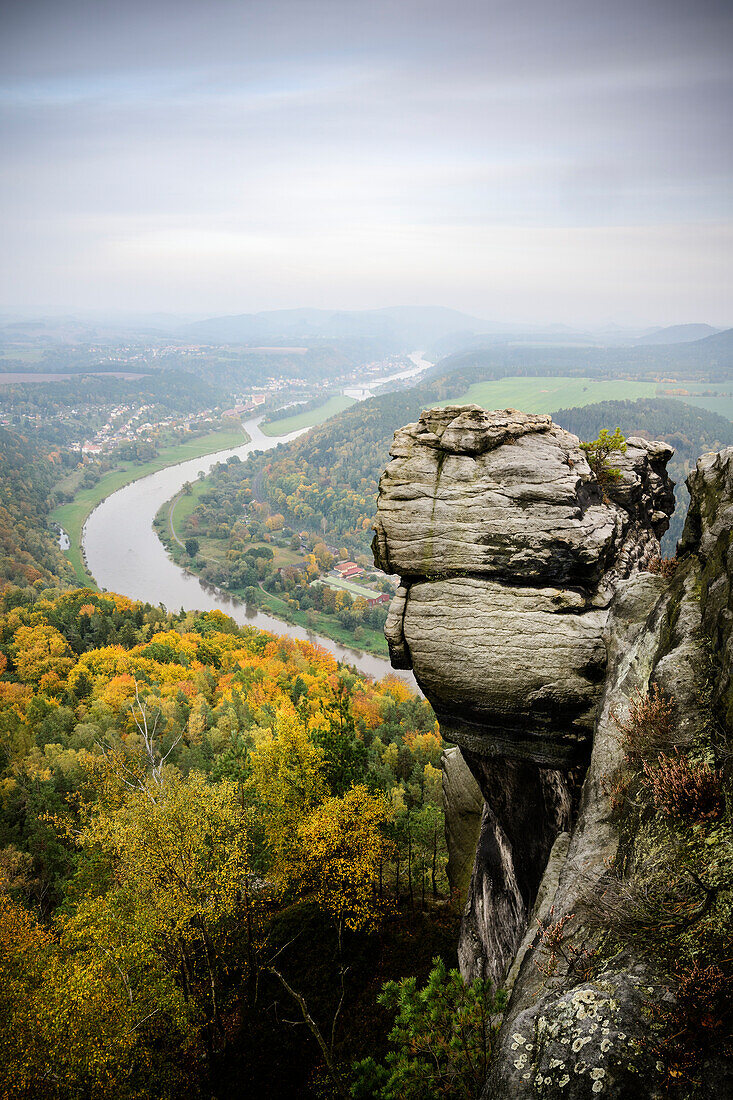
[[350, 147]]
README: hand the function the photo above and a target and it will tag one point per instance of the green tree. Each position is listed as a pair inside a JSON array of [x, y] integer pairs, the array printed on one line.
[[599, 451], [192, 547], [443, 1035]]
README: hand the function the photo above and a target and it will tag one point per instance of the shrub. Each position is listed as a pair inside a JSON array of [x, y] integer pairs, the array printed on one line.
[[663, 567], [698, 1024], [444, 1036], [598, 453], [649, 726], [682, 789], [576, 958], [656, 899]]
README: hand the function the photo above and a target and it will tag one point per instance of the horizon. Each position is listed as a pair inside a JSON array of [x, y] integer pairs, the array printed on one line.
[[526, 166]]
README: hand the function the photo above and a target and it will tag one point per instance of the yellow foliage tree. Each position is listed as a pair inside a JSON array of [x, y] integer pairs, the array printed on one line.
[[179, 854], [39, 650], [287, 780], [342, 846]]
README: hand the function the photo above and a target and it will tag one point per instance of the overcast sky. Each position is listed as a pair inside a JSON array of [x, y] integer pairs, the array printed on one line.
[[527, 160]]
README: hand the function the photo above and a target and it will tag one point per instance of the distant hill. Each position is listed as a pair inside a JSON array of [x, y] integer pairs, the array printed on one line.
[[678, 334], [710, 359], [404, 328]]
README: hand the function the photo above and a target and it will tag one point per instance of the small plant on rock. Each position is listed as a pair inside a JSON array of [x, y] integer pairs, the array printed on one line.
[[599, 451], [663, 567], [681, 789], [698, 1023], [577, 959], [649, 726]]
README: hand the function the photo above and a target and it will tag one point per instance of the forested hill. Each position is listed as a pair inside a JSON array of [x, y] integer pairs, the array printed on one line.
[[710, 358], [184, 805], [690, 430], [332, 472], [28, 549]]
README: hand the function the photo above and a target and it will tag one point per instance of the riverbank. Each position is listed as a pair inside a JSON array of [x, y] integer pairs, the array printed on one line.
[[168, 525], [309, 419], [72, 516]]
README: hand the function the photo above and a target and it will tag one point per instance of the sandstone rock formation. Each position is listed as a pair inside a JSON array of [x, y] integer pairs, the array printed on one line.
[[529, 625], [464, 806], [509, 552], [573, 1032]]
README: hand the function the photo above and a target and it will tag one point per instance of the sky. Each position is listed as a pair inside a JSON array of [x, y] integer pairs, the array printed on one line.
[[528, 161]]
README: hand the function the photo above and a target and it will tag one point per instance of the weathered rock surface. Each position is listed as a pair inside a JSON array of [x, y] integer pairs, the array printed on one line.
[[709, 534], [511, 495], [525, 809], [463, 804], [509, 552], [553, 1017], [658, 633], [529, 627]]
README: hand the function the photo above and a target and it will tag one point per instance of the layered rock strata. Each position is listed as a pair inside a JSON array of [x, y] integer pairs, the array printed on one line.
[[509, 552], [572, 1032], [548, 836]]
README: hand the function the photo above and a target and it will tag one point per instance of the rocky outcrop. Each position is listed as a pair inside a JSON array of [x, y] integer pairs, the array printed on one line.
[[573, 1027], [509, 552], [570, 1032], [708, 534], [463, 804], [535, 705]]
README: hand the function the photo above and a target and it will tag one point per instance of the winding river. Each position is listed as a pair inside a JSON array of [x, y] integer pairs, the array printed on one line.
[[125, 555]]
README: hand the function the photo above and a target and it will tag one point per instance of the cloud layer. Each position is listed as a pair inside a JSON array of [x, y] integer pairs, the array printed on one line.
[[525, 161]]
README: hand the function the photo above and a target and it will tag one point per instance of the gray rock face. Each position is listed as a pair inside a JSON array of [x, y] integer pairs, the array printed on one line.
[[709, 534], [525, 809], [463, 804], [509, 552], [553, 1016], [526, 621]]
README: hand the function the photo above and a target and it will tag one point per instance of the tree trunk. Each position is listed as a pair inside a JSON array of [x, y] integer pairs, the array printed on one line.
[[316, 1033]]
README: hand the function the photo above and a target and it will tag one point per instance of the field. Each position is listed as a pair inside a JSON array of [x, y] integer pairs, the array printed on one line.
[[352, 587], [716, 397], [308, 419], [72, 516], [544, 395], [371, 641]]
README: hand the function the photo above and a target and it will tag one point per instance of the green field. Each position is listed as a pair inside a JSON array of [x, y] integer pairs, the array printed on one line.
[[716, 397], [72, 516], [545, 395], [371, 641], [308, 419], [353, 588]]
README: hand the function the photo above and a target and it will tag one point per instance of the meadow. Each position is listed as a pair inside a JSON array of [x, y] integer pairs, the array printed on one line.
[[308, 419], [544, 395]]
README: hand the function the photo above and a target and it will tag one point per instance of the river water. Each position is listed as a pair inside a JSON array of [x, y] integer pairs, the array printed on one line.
[[125, 555]]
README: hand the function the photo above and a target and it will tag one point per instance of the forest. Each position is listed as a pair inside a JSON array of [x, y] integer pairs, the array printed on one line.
[[29, 553], [208, 836], [708, 359]]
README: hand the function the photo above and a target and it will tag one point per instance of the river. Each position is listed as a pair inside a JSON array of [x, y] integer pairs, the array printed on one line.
[[125, 555]]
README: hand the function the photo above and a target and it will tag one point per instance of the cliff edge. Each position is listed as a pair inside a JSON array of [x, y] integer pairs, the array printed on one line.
[[532, 626]]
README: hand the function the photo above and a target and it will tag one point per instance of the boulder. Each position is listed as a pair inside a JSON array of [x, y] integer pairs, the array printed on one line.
[[509, 551]]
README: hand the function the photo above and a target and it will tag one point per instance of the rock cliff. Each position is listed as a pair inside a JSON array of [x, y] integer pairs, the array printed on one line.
[[531, 625], [509, 552]]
